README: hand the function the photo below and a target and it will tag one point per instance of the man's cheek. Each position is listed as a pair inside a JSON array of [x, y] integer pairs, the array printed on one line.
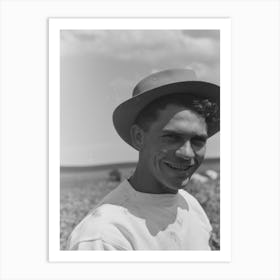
[[201, 152]]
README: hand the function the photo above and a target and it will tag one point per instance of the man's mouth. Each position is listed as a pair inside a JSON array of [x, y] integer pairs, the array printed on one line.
[[178, 166]]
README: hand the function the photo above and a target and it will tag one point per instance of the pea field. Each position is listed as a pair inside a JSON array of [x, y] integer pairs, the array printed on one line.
[[82, 188]]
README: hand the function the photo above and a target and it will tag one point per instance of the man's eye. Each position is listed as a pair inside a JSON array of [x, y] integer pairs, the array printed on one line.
[[171, 137], [199, 142]]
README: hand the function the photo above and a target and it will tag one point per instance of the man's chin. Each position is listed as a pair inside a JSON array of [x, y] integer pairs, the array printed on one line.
[[177, 185], [173, 183]]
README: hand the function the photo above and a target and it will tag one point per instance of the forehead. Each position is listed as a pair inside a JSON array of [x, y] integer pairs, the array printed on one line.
[[181, 119]]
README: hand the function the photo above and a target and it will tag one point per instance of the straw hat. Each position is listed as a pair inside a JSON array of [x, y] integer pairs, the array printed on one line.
[[160, 84]]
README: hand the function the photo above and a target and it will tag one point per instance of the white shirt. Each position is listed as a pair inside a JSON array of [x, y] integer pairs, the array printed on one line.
[[130, 220]]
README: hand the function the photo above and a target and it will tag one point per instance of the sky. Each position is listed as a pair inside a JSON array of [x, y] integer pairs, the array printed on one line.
[[99, 69]]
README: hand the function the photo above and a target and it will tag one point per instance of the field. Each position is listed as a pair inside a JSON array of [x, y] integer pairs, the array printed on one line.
[[82, 188]]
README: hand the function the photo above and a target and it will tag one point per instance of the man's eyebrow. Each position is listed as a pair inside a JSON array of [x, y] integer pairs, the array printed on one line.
[[165, 131], [203, 136]]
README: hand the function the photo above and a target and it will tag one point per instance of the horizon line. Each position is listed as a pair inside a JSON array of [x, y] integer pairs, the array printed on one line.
[[115, 163]]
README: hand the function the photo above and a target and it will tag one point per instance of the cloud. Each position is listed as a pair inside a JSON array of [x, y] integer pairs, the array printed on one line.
[[144, 45], [132, 54], [210, 34], [205, 72]]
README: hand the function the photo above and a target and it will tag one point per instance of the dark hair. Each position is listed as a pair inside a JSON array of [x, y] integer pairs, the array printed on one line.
[[206, 108]]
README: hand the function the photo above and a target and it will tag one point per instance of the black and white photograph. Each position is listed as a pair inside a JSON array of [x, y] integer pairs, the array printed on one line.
[[169, 120], [140, 139]]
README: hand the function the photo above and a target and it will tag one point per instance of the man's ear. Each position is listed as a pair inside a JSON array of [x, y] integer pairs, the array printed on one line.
[[137, 137]]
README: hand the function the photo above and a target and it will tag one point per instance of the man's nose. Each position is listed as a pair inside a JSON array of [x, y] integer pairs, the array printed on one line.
[[186, 151]]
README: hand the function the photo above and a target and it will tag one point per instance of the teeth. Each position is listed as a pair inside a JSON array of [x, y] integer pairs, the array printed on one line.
[[177, 166]]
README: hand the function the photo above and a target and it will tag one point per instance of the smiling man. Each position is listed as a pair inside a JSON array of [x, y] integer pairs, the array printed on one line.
[[168, 121]]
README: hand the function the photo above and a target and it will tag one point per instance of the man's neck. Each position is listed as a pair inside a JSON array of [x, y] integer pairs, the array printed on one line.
[[143, 183]]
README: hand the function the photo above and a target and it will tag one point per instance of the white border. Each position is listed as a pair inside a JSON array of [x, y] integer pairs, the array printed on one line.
[[55, 25]]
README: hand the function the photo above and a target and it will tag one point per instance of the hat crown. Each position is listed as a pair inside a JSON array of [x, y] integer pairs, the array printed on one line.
[[163, 78]]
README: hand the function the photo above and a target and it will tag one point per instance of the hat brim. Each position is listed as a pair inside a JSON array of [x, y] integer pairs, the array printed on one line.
[[125, 114]]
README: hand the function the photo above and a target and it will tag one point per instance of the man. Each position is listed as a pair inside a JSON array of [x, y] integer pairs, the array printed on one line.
[[168, 120]]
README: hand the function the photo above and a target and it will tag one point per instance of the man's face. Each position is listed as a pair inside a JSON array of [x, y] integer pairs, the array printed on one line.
[[173, 148]]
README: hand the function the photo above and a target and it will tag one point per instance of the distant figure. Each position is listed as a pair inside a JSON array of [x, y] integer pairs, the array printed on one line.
[[168, 121], [115, 175]]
